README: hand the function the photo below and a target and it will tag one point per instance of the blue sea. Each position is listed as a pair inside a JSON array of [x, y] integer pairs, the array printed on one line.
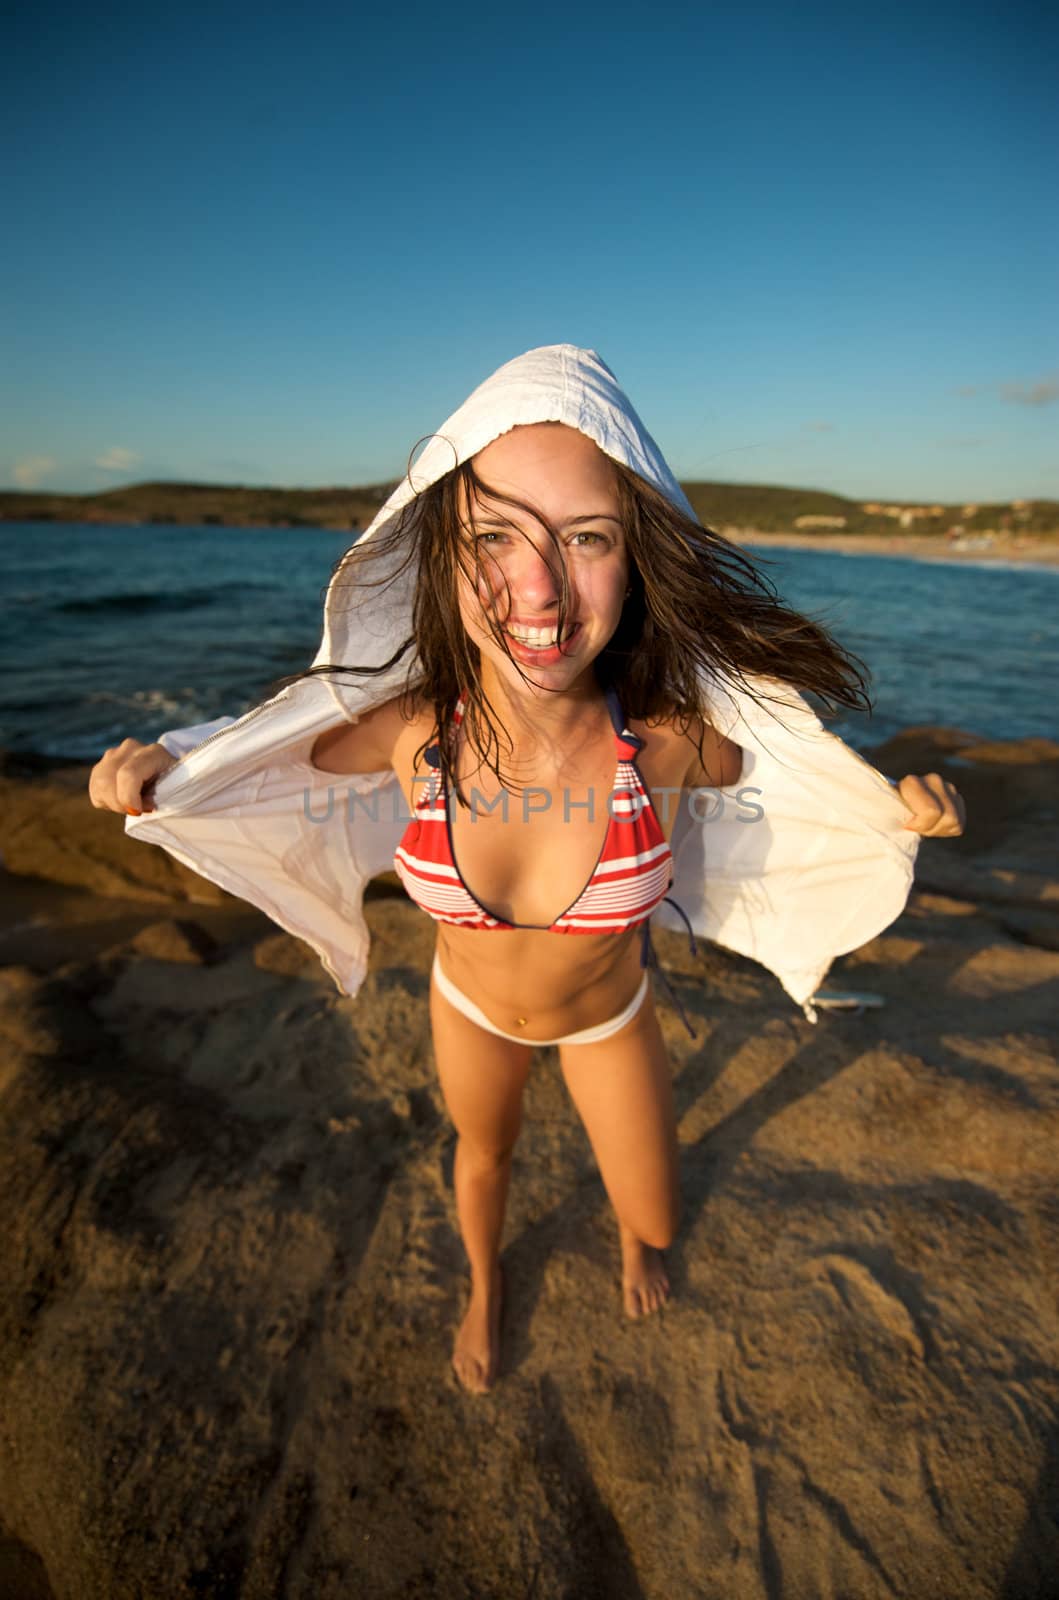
[[115, 631]]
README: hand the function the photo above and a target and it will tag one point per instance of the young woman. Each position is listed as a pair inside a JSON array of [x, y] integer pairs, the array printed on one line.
[[550, 727]]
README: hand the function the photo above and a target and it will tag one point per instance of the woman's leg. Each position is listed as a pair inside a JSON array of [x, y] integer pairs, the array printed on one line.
[[482, 1078], [622, 1089]]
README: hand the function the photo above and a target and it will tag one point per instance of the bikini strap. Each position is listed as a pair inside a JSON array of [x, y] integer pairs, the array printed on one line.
[[432, 753], [649, 958], [432, 757], [632, 742]]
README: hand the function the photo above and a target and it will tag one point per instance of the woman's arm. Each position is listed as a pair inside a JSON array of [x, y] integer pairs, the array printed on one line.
[[122, 780], [721, 763], [936, 807], [364, 746]]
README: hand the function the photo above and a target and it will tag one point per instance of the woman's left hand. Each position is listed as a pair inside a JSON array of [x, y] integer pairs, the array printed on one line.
[[937, 807]]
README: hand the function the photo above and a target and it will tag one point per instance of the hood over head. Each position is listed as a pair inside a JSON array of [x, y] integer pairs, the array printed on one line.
[[553, 383]]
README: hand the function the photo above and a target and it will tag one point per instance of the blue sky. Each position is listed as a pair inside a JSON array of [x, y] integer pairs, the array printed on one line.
[[817, 244]]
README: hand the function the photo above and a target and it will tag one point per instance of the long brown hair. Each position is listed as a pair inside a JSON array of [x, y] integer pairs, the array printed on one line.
[[696, 603]]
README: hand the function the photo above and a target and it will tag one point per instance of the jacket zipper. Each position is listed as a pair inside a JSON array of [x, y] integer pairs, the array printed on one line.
[[241, 722]]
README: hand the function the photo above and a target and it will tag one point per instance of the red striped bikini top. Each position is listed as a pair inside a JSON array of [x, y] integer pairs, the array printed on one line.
[[630, 878]]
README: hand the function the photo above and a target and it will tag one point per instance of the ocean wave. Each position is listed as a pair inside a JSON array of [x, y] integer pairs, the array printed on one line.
[[135, 604], [173, 701], [993, 565]]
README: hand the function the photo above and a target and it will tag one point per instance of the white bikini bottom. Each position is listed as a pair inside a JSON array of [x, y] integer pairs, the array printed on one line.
[[473, 1013]]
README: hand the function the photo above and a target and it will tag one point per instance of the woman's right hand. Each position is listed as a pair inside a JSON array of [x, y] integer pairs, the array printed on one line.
[[117, 782]]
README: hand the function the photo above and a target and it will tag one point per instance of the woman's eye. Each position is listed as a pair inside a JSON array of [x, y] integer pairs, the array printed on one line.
[[584, 539]]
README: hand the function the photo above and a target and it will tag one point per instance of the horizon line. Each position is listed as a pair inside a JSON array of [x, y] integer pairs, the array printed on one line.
[[389, 484]]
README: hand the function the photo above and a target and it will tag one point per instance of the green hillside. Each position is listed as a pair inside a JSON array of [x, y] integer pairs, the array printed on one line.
[[750, 507], [202, 504]]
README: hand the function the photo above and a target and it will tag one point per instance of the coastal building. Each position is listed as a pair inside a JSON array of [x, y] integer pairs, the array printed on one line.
[[904, 515]]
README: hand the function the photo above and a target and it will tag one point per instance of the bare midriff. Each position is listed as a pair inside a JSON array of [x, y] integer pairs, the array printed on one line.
[[543, 985]]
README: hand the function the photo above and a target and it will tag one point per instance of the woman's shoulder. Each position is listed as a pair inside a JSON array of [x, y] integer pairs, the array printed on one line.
[[669, 727], [373, 742], [688, 741]]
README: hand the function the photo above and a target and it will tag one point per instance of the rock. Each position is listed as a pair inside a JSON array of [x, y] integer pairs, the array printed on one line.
[[1011, 789], [287, 957], [1040, 928], [176, 940], [232, 1276], [51, 831]]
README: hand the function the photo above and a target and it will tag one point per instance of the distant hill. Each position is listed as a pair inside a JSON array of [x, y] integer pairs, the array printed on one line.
[[202, 504], [779, 510], [743, 506]]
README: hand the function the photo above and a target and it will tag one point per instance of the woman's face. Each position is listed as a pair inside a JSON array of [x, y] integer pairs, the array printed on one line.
[[564, 477]]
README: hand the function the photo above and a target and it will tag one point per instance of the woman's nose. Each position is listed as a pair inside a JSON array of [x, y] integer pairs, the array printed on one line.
[[533, 579]]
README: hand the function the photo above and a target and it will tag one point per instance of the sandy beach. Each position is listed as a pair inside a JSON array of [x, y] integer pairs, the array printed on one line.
[[232, 1270], [1003, 548]]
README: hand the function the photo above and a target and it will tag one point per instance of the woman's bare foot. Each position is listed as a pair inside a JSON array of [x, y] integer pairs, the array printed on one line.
[[476, 1355], [644, 1285]]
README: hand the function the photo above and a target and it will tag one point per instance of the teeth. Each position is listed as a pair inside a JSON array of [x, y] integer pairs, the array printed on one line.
[[539, 638]]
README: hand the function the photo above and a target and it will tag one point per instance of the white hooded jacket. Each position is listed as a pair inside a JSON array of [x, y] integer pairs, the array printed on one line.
[[825, 866]]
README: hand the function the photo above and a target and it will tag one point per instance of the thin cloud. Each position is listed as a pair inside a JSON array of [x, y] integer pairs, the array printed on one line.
[[1042, 393], [959, 442], [29, 472], [117, 459], [818, 427], [967, 389]]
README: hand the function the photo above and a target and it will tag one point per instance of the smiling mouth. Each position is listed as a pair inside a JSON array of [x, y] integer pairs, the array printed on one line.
[[540, 638]]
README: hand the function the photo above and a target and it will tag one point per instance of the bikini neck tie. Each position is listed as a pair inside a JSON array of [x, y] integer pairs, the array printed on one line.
[[649, 959]]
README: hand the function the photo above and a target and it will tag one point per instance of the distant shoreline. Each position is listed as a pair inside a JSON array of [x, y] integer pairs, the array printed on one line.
[[999, 549], [759, 514], [1020, 550]]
